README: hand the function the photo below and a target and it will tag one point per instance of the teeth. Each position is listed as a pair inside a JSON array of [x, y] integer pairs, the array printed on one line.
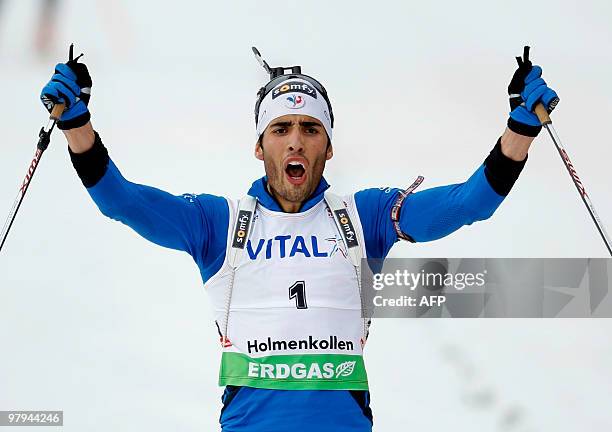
[[296, 164]]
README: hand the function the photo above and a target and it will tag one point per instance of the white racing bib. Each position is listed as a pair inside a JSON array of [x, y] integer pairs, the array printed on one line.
[[287, 299]]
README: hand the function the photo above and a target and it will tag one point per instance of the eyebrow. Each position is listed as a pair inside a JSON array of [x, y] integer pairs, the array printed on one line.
[[290, 123]]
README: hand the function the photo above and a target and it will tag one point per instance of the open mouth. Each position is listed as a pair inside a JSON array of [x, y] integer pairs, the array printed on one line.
[[296, 171]]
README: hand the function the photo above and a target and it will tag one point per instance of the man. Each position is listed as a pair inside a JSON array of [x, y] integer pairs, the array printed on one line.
[[282, 265]]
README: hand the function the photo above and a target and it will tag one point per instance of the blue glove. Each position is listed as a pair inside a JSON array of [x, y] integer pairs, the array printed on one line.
[[70, 85], [526, 90]]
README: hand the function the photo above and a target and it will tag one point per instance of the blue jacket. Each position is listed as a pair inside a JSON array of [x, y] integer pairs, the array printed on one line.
[[198, 224]]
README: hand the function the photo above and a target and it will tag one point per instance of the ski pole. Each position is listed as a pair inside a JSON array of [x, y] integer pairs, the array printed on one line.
[[547, 123], [44, 137]]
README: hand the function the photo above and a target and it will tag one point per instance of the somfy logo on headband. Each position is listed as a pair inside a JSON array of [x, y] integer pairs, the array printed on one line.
[[294, 87]]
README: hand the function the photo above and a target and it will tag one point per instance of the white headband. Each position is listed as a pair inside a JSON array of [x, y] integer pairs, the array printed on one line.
[[294, 96]]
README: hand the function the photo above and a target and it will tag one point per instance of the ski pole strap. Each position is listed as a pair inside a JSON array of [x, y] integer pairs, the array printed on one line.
[[397, 208], [240, 236], [344, 224]]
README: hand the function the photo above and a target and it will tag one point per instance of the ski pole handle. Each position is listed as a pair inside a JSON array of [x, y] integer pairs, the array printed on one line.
[[542, 114], [57, 111]]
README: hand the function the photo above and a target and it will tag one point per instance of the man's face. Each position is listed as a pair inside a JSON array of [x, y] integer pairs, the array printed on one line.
[[294, 150]]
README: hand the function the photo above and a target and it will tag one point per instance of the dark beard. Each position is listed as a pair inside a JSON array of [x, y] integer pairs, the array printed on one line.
[[278, 183]]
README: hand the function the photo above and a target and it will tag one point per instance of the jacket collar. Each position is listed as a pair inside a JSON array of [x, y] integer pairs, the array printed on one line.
[[259, 190]]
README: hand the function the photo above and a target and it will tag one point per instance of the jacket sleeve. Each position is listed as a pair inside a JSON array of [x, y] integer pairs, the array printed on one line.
[[437, 212], [196, 224], [425, 215]]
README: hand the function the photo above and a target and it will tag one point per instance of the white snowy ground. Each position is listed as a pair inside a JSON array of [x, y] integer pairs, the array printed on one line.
[[118, 333]]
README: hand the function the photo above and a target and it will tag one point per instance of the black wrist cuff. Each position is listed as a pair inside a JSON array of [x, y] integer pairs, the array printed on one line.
[[501, 171], [92, 164], [75, 122], [523, 129]]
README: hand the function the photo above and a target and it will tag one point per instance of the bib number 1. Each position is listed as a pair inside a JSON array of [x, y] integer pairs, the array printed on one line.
[[297, 291]]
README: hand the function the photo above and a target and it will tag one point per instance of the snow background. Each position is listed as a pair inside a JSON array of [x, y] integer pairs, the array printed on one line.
[[118, 333]]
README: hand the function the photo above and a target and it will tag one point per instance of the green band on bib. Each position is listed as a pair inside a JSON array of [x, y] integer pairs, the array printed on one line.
[[294, 372]]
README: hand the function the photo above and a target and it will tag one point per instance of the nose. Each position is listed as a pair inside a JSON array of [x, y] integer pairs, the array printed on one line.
[[295, 142]]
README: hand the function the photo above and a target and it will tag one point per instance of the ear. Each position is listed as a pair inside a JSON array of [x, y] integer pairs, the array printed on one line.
[[330, 152], [259, 150]]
